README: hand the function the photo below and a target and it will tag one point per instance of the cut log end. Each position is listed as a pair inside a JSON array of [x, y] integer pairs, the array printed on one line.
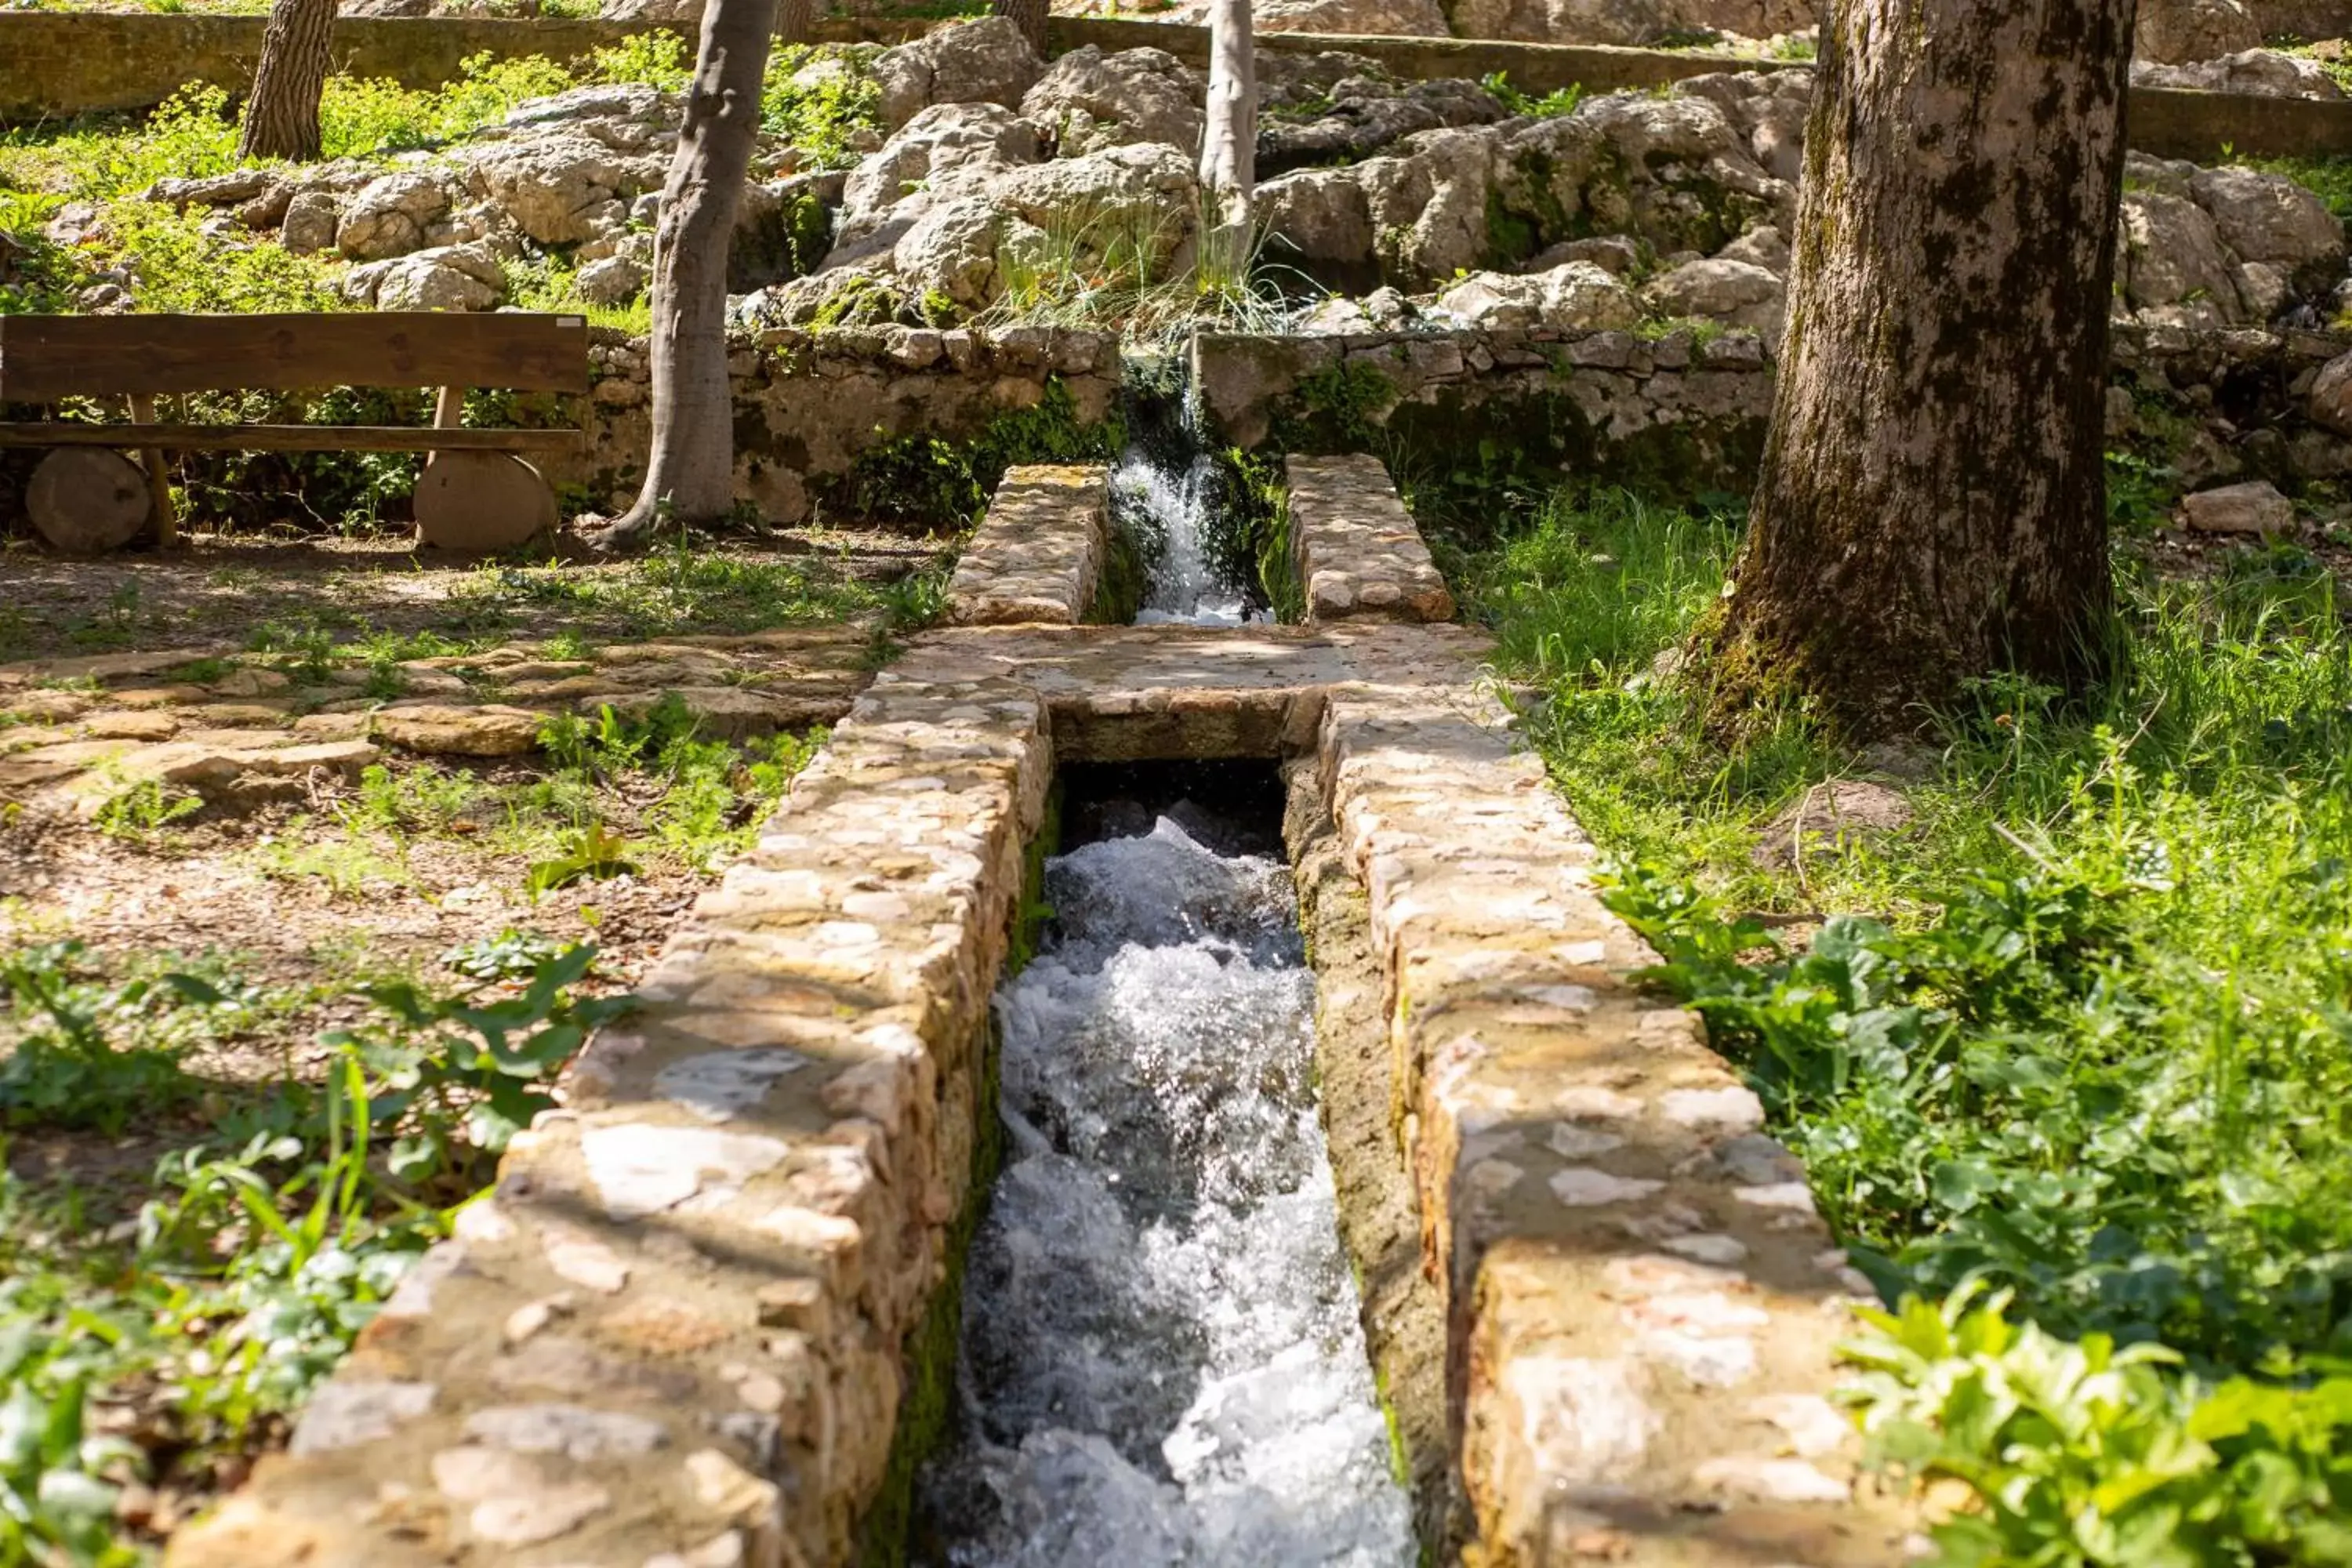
[[86, 500], [481, 500]]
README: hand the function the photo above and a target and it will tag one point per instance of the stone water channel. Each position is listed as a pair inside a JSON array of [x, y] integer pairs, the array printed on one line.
[[710, 1313]]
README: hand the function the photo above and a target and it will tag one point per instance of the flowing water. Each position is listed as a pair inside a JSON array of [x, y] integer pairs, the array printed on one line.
[[1161, 1361], [1168, 508]]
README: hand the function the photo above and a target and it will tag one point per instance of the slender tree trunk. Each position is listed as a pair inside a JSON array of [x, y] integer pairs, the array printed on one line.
[[281, 119], [797, 20], [1029, 16], [1229, 132], [690, 472], [1933, 504]]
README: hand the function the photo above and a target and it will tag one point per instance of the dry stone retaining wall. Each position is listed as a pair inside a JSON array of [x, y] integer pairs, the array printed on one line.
[[809, 405], [1693, 411]]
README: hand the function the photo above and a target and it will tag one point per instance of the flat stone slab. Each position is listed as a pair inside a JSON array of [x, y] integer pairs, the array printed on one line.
[[86, 730], [1038, 556], [1358, 554]]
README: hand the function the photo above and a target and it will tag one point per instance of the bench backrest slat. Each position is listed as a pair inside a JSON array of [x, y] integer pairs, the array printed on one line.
[[45, 358]]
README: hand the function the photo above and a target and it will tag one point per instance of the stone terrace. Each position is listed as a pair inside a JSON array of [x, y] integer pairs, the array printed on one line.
[[683, 1328]]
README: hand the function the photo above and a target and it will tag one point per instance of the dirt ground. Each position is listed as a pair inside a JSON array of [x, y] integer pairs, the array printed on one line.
[[219, 588]]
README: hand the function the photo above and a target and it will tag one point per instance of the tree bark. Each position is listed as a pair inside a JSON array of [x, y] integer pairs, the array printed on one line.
[[797, 20], [1932, 499], [1229, 132], [690, 472], [1029, 16], [281, 118]]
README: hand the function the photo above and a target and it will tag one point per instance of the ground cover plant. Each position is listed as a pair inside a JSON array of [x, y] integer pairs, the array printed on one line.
[[253, 1059], [101, 166], [2053, 1005]]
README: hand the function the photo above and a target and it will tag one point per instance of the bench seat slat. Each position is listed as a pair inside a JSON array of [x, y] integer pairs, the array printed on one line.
[[45, 358], [286, 437]]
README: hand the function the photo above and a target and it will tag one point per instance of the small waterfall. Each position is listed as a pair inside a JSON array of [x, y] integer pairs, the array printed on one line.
[[1168, 494], [1163, 1365]]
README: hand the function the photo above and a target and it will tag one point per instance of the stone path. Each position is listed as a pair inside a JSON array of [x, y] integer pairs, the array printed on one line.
[[76, 734], [1037, 557], [682, 1328]]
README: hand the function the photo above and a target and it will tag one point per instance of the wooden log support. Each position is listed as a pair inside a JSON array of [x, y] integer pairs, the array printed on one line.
[[158, 477]]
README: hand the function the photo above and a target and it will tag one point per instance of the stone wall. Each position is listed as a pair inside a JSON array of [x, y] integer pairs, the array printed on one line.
[[1690, 413], [808, 405]]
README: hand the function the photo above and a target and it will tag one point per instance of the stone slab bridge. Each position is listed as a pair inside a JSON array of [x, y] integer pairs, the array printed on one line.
[[700, 1320]]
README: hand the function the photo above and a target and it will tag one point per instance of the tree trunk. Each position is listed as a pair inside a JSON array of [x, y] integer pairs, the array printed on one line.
[[281, 119], [797, 20], [1029, 16], [1229, 135], [690, 472], [1932, 499]]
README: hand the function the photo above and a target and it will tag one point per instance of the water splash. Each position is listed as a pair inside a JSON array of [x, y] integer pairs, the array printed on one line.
[[1162, 1364], [1168, 510]]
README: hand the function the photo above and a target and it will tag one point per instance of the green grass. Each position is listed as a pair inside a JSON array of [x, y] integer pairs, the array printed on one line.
[[2082, 1030]]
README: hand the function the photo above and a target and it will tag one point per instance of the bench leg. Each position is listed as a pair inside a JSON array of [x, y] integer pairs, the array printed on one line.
[[159, 479]]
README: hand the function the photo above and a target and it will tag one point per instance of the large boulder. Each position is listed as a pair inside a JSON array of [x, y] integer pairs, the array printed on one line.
[[445, 278], [1768, 109], [1735, 293], [2173, 263], [1413, 18], [390, 216], [1365, 115], [628, 117], [982, 61], [1429, 208], [1576, 294], [562, 188], [2265, 73], [1090, 100], [2269, 218], [1321, 221], [2172, 31], [946, 151]]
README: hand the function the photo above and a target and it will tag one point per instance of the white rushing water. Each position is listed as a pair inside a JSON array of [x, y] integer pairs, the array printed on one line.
[[1161, 1361], [1169, 511]]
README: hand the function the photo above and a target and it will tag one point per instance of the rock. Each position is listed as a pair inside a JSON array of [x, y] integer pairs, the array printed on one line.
[[310, 221], [232, 189], [2264, 73], [2253, 507], [389, 216], [481, 501], [952, 249], [1089, 100], [573, 1430], [982, 61], [560, 188], [717, 1085], [346, 1412], [2330, 400], [948, 150], [1318, 219], [614, 280], [2171, 255], [1829, 817], [1760, 247], [2269, 218], [2173, 31], [438, 729], [1365, 115], [1575, 294], [1736, 293], [1362, 19], [446, 278], [1612, 253], [1382, 311], [640, 1169], [527, 1516]]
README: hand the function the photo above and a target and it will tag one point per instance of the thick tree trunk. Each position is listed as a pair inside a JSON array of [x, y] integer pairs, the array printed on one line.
[[1932, 504], [797, 20], [1229, 134], [281, 119], [1029, 16], [690, 473]]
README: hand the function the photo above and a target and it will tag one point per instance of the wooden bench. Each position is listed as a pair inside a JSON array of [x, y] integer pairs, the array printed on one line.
[[476, 491]]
